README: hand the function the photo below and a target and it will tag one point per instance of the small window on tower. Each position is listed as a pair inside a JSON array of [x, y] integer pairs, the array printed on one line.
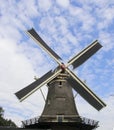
[[48, 102], [60, 83]]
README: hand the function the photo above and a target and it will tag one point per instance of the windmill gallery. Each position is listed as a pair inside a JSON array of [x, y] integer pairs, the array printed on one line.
[[60, 112]]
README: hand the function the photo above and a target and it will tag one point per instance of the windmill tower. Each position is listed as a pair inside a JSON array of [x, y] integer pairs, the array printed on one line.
[[60, 111]]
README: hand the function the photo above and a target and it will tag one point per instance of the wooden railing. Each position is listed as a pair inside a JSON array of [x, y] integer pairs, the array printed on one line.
[[60, 118]]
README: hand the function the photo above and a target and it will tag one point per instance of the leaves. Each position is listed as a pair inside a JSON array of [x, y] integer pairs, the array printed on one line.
[[5, 122]]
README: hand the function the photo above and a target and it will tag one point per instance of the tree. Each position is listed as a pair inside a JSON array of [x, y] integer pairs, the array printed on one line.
[[5, 122], [1, 112]]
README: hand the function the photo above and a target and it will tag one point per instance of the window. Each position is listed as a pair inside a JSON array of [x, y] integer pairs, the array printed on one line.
[[60, 118], [60, 83]]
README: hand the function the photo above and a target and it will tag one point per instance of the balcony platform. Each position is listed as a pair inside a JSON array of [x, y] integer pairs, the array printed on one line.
[[61, 122]]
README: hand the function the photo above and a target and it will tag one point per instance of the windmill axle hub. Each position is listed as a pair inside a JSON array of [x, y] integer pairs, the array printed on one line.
[[63, 67]]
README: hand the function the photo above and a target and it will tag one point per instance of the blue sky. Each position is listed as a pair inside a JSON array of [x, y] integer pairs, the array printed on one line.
[[67, 26]]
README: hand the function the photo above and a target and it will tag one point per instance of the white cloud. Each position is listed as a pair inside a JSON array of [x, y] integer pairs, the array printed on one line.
[[106, 40], [29, 8], [44, 5], [63, 3], [16, 72], [14, 67], [106, 17]]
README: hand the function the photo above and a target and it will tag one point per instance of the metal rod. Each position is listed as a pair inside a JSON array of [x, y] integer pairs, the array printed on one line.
[[42, 94], [75, 95], [40, 89]]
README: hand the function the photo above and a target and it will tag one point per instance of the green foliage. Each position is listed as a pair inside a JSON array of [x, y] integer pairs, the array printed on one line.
[[5, 122], [1, 112]]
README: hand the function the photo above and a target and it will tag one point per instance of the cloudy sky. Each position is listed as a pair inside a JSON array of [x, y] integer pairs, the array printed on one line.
[[67, 26]]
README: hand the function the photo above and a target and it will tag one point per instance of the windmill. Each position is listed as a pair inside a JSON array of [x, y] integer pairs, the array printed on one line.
[[60, 106]]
